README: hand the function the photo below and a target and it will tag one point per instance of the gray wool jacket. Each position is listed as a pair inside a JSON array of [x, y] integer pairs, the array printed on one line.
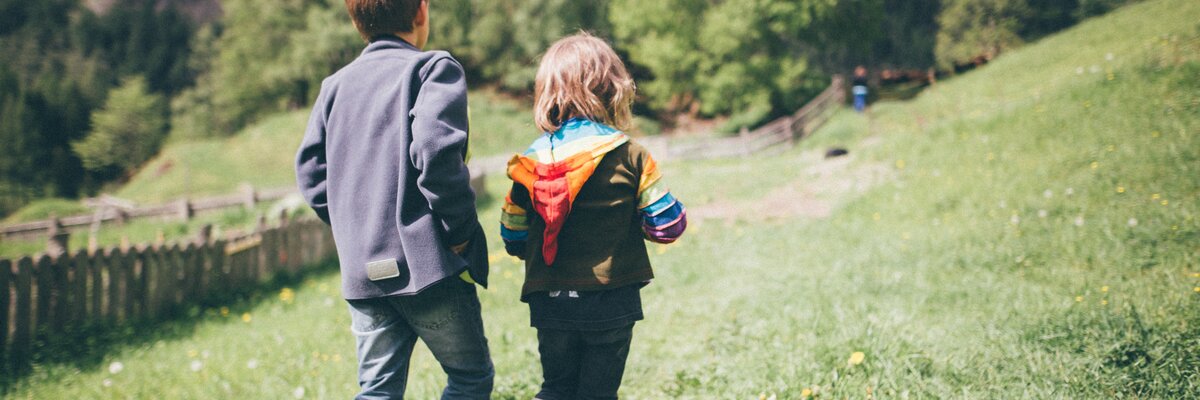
[[382, 162]]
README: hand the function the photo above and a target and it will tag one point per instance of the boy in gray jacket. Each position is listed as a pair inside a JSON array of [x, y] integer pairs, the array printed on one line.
[[382, 162]]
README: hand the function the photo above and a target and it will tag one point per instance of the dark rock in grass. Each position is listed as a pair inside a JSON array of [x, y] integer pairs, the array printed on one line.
[[836, 152]]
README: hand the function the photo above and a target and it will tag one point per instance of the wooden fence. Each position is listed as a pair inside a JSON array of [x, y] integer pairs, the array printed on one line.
[[182, 209], [782, 131], [43, 296]]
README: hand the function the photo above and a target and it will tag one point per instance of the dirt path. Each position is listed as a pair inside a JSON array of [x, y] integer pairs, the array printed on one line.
[[822, 185]]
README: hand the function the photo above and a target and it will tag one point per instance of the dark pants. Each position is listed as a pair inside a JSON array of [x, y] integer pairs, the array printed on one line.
[[583, 364], [446, 317]]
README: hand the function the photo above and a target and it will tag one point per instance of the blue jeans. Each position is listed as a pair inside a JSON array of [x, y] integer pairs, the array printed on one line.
[[860, 98], [446, 316]]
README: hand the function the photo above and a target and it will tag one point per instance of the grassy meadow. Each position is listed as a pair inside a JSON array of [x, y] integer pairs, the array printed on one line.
[[1026, 230]]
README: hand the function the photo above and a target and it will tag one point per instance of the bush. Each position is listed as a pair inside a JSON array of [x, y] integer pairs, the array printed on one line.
[[127, 131], [977, 28]]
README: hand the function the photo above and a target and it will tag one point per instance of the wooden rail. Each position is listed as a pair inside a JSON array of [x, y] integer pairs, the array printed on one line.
[[785, 130], [183, 210], [43, 296]]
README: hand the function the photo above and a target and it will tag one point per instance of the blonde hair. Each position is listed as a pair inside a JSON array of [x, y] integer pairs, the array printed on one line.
[[581, 76]]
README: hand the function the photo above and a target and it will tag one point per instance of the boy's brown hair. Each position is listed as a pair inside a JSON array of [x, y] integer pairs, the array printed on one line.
[[581, 76], [375, 18]]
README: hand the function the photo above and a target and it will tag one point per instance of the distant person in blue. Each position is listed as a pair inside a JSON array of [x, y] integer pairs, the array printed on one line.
[[860, 88]]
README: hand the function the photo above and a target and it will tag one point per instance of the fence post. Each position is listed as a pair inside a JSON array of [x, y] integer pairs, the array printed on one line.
[[60, 292], [249, 196], [175, 268], [44, 283], [22, 344], [221, 266], [95, 271], [114, 264], [183, 209], [78, 290], [94, 229], [59, 238], [5, 295], [128, 266], [204, 236]]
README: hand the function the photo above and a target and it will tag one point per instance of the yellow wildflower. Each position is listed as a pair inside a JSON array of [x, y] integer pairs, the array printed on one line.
[[1196, 289], [1154, 196], [1095, 165], [224, 311], [856, 358], [1155, 134], [805, 393], [1104, 289], [1120, 189], [1164, 202], [1104, 302], [287, 295], [899, 164], [1078, 299], [246, 317]]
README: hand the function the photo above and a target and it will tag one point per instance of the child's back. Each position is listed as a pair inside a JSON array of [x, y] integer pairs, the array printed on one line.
[[382, 162], [584, 199], [392, 127]]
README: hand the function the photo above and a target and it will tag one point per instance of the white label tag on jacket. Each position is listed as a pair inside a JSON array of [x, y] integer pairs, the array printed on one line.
[[383, 269]]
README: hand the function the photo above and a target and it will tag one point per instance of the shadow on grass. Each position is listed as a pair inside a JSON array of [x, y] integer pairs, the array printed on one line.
[[86, 347]]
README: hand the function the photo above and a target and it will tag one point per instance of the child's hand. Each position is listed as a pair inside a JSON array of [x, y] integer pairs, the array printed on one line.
[[460, 248]]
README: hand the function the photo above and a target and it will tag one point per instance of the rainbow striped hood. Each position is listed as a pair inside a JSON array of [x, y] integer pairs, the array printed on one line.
[[556, 166]]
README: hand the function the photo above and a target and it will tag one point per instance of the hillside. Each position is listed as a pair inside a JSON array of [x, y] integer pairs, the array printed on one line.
[[262, 154], [1025, 230]]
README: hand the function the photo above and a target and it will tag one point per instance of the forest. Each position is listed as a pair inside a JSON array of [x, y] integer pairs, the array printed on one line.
[[90, 90]]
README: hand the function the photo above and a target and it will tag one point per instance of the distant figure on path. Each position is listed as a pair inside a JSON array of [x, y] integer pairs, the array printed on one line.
[[859, 88], [382, 163], [584, 200]]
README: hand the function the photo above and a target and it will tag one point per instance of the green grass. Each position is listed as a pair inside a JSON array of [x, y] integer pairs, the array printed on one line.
[[1034, 236], [43, 209]]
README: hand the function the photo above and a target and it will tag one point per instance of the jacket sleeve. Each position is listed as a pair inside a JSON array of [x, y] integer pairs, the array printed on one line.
[[438, 150], [663, 216], [311, 164], [514, 221]]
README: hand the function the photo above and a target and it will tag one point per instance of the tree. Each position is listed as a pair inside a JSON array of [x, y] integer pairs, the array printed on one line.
[[746, 58], [978, 28], [266, 56], [126, 131]]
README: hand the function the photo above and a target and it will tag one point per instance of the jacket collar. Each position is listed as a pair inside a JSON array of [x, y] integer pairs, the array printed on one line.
[[388, 42]]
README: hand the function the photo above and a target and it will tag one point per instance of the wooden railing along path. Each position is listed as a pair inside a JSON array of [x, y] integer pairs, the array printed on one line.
[[44, 296], [183, 209], [785, 130], [109, 211]]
